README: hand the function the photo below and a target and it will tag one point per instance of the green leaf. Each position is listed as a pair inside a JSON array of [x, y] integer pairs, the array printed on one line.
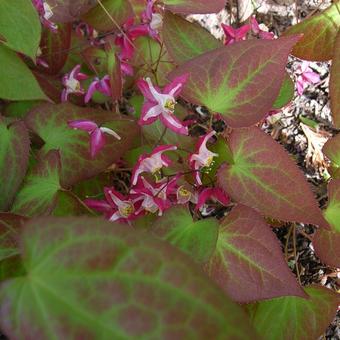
[[16, 80], [295, 318], [185, 40], [50, 123], [37, 196], [14, 153], [194, 6], [265, 178], [248, 263], [240, 81], [319, 32], [89, 278], [286, 93], [332, 150], [20, 109], [119, 10], [20, 26], [68, 204], [197, 239], [332, 213], [334, 83]]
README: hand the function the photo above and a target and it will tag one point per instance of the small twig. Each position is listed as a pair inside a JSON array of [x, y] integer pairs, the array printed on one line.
[[295, 254]]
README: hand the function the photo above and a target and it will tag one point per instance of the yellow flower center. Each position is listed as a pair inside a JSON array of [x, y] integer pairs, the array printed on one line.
[[127, 210], [184, 192], [170, 105]]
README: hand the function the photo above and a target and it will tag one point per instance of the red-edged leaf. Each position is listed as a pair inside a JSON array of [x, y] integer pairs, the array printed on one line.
[[55, 48], [194, 6], [334, 83], [327, 243], [93, 279], [50, 123], [319, 34], [332, 150], [10, 229], [114, 71], [37, 195], [295, 318], [70, 10], [14, 153], [327, 246], [240, 81], [118, 10], [248, 263], [264, 177], [50, 85], [185, 40], [68, 204]]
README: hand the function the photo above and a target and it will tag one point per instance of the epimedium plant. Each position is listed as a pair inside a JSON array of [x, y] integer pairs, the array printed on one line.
[[97, 118]]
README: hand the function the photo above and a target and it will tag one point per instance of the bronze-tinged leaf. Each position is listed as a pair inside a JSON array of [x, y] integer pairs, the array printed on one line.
[[55, 47], [14, 153], [264, 177], [319, 32], [241, 81], [334, 83], [185, 40], [86, 278], [248, 263], [49, 122], [194, 6]]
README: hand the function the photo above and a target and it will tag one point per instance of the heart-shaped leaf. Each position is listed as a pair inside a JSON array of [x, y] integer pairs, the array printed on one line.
[[116, 12], [194, 6], [16, 80], [332, 150], [248, 263], [264, 177], [240, 81], [55, 48], [90, 278], [334, 83], [319, 34], [185, 40], [50, 123], [70, 10], [14, 153], [295, 318], [20, 27], [286, 93], [198, 239], [37, 195]]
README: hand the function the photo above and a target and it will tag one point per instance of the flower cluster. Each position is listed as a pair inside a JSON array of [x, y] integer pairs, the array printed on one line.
[[45, 13], [157, 193]]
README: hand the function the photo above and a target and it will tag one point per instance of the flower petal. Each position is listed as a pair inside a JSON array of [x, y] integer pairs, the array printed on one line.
[[97, 142], [82, 124], [173, 123], [175, 87]]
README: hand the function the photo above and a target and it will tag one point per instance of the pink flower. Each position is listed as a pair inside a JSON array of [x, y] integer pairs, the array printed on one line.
[[152, 19], [262, 34], [97, 138], [185, 194], [305, 76], [234, 34], [45, 13], [71, 81], [152, 163], [131, 32], [203, 159], [116, 207], [101, 85], [161, 104], [153, 197], [215, 194]]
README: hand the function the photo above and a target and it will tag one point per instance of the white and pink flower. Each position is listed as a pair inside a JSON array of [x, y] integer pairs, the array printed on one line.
[[152, 163], [97, 138], [305, 76], [153, 19], [161, 104], [215, 194], [261, 30], [203, 159], [45, 13], [71, 82], [101, 85]]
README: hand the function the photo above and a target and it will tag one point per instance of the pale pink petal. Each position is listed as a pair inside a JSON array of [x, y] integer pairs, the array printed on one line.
[[311, 77], [64, 95], [254, 25], [145, 89], [82, 124], [300, 86], [97, 142], [149, 110], [173, 123]]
